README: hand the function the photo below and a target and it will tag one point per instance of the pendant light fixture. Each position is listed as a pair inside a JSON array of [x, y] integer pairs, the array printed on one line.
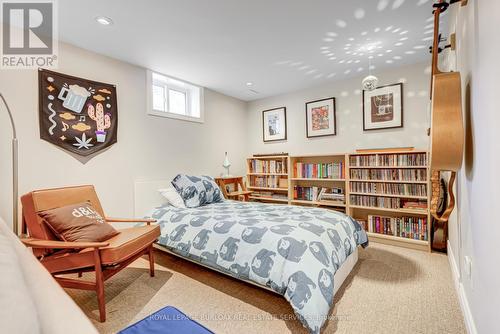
[[370, 82]]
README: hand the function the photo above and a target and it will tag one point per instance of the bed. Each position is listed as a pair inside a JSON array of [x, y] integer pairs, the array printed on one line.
[[302, 253]]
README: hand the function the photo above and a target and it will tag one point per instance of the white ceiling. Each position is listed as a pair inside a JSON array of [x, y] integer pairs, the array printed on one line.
[[278, 45]]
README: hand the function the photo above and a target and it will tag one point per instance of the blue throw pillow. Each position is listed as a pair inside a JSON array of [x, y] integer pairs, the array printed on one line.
[[197, 190]]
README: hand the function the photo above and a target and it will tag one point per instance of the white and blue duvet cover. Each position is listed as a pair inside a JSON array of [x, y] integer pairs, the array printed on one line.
[[293, 250]]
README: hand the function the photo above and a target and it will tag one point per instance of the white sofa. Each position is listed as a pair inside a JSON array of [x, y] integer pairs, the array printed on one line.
[[31, 301]]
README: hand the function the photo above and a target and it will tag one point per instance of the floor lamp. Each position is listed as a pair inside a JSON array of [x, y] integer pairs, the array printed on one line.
[[15, 204]]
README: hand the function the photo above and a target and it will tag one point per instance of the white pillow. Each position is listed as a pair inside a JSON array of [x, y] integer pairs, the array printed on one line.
[[173, 198]]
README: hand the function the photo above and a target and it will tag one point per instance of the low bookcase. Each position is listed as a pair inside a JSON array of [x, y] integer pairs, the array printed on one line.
[[387, 191]]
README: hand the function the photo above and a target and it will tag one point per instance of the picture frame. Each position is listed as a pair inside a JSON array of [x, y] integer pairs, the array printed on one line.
[[383, 107], [274, 124], [321, 119]]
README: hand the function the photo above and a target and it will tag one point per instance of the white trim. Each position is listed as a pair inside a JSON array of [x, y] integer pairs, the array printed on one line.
[[149, 100], [462, 297]]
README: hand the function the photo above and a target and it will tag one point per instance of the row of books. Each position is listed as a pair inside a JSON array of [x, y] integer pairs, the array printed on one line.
[[317, 194], [404, 227], [404, 189], [332, 170], [411, 159], [270, 194], [387, 202], [389, 174], [272, 181], [268, 166]]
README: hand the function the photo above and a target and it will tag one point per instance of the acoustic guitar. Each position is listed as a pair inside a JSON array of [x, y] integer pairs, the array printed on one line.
[[447, 130]]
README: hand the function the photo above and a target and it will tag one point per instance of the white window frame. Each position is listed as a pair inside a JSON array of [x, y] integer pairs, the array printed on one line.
[[182, 86]]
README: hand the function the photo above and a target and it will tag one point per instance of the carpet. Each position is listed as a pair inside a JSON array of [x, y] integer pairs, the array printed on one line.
[[390, 290]]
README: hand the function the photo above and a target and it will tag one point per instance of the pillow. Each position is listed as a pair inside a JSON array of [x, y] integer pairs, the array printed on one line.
[[214, 194], [78, 222], [173, 198], [197, 190]]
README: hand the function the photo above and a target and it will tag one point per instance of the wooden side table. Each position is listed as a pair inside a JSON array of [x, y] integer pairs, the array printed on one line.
[[240, 189]]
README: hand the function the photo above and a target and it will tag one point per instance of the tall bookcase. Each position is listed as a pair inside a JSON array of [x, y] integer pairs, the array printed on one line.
[[389, 192], [386, 190], [267, 177]]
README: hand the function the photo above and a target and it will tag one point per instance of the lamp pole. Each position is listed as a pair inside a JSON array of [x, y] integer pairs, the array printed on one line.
[[15, 183]]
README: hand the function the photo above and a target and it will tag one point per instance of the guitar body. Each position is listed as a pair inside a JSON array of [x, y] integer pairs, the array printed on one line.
[[447, 129]]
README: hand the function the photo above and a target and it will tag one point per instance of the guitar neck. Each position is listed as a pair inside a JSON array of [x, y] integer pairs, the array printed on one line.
[[435, 43]]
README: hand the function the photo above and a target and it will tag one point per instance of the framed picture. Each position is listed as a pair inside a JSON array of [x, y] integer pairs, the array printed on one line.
[[383, 107], [274, 124], [320, 118]]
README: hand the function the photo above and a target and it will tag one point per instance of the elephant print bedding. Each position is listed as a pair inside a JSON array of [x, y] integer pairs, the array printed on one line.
[[293, 250]]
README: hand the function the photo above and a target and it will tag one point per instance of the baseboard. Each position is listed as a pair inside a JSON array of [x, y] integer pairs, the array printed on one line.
[[462, 297]]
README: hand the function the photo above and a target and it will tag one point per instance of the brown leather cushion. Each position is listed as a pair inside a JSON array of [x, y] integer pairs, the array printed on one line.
[[129, 242], [78, 222]]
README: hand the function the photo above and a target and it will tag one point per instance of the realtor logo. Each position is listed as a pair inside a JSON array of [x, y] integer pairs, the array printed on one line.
[[28, 35]]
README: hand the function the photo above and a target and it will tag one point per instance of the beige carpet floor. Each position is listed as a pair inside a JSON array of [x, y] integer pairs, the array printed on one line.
[[391, 290]]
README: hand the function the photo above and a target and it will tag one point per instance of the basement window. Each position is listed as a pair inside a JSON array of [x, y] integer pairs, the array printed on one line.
[[174, 98]]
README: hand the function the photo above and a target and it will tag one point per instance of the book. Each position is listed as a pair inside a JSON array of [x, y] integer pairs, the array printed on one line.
[[405, 227]]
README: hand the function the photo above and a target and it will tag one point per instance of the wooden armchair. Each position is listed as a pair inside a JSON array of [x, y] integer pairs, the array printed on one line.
[[104, 258]]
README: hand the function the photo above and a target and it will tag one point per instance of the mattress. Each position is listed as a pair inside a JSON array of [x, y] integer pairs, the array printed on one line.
[[294, 251]]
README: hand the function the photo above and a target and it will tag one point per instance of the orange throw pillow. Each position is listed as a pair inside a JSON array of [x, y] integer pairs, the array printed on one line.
[[78, 222]]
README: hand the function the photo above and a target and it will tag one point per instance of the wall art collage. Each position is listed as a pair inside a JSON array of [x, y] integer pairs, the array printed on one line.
[[382, 109]]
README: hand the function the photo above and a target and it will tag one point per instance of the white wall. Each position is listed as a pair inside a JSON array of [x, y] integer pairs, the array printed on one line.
[[148, 147], [475, 229], [350, 135]]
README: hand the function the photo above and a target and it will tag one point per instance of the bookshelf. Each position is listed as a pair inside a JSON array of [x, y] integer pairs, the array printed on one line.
[[319, 180], [267, 177], [389, 193], [392, 185]]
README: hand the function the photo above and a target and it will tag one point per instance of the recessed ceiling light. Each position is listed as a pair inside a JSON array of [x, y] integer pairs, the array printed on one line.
[[104, 20], [249, 84]]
